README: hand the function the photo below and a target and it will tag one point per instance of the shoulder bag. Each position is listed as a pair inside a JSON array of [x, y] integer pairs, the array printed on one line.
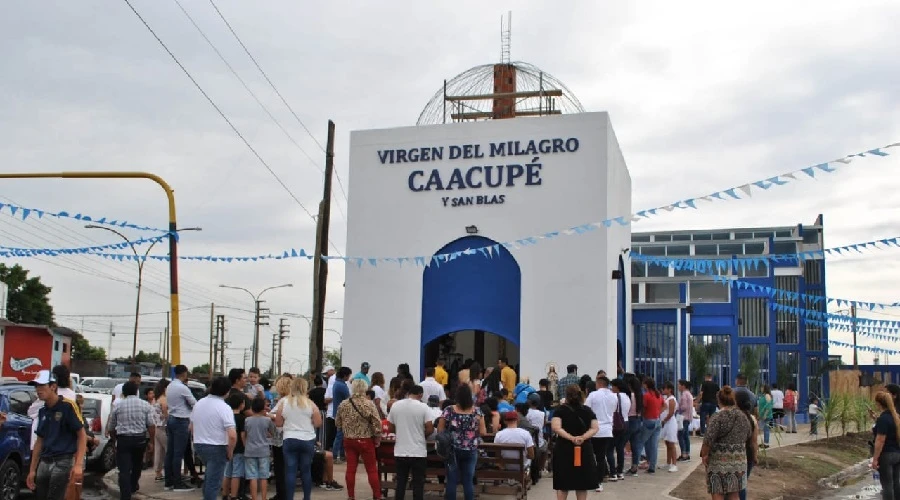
[[376, 423], [618, 421]]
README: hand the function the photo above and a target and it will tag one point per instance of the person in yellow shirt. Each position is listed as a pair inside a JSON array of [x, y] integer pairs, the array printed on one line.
[[440, 374], [507, 378]]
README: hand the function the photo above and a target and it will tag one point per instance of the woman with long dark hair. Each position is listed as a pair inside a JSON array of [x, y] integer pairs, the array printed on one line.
[[724, 451], [623, 405], [649, 437], [886, 457], [635, 422], [466, 426], [574, 462]]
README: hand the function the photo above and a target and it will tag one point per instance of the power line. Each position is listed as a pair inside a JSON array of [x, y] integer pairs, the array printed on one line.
[[247, 87], [280, 96], [219, 110]]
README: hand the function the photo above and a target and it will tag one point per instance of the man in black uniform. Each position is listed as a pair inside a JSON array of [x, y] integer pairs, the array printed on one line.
[[58, 454]]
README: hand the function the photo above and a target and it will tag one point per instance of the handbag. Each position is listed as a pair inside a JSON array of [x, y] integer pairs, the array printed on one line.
[[618, 421]]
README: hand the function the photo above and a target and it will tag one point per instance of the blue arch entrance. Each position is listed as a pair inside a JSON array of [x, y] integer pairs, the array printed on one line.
[[472, 292]]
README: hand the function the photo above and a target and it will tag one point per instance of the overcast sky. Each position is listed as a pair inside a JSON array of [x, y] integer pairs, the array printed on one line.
[[702, 98]]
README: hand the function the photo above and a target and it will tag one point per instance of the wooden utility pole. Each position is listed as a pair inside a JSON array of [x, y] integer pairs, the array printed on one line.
[[320, 265], [212, 339]]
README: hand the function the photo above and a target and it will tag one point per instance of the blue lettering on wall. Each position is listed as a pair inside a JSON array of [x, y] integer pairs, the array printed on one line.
[[478, 176]]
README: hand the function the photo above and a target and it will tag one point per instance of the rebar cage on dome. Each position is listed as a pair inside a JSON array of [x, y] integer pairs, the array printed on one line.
[[474, 95]]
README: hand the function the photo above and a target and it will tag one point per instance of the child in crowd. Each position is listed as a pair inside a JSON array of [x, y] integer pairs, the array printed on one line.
[[257, 435], [254, 388], [234, 471], [813, 416]]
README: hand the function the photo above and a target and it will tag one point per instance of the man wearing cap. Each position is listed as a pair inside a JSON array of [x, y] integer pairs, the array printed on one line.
[[58, 454], [129, 423], [512, 434], [363, 373]]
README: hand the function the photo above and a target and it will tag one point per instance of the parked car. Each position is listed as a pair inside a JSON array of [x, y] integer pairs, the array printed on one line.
[[15, 437], [96, 411], [103, 386]]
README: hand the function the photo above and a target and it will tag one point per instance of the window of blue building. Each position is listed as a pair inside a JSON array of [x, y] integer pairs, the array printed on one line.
[[814, 371], [710, 354], [787, 368], [655, 352], [787, 330], [753, 317], [753, 362], [662, 293], [708, 291]]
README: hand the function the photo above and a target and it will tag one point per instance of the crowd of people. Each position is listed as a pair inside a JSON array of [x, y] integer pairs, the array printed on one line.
[[583, 429]]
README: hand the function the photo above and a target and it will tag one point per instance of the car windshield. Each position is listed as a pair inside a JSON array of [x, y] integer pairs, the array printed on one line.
[[91, 408], [107, 383]]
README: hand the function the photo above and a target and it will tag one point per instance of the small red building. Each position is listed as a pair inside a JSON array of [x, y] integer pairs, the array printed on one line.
[[26, 349]]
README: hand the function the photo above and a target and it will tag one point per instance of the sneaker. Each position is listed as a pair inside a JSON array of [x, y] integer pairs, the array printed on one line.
[[620, 477], [613, 478], [673, 468], [335, 486], [599, 489], [633, 471], [183, 487], [651, 471], [684, 458], [324, 486], [169, 487]]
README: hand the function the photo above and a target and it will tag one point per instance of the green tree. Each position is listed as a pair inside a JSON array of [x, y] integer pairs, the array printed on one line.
[[331, 357], [29, 299], [201, 369], [84, 351]]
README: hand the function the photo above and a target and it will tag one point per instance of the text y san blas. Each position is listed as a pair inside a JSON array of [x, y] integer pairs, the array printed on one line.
[[502, 174]]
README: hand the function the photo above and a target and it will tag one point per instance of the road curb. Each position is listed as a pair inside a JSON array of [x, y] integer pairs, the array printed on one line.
[[111, 485], [841, 478]]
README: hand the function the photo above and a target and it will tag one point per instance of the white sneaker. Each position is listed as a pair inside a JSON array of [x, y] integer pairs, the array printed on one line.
[[673, 468], [599, 489]]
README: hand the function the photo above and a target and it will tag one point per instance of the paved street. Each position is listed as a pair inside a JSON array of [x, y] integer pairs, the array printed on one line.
[[645, 486]]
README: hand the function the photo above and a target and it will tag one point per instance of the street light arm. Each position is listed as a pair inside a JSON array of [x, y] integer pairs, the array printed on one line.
[[287, 285], [120, 235], [239, 288]]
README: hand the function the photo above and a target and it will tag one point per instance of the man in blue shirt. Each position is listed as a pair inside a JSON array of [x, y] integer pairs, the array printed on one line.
[[363, 373], [59, 449], [340, 392]]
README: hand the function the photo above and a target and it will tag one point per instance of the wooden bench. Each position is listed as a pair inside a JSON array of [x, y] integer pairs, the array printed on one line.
[[495, 474]]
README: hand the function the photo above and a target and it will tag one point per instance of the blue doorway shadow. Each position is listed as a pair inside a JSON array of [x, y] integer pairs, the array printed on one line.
[[472, 292]]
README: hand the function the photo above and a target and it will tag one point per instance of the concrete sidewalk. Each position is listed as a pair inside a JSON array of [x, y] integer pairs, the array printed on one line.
[[645, 486]]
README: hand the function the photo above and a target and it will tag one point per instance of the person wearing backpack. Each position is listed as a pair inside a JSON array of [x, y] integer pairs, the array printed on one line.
[[620, 429], [790, 408], [604, 405]]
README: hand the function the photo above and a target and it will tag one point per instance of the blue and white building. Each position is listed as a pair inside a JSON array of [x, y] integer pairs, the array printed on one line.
[[686, 324]]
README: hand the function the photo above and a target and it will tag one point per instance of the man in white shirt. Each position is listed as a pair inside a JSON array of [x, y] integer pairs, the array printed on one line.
[[330, 429], [431, 386], [512, 434], [117, 390], [410, 420], [214, 435], [603, 402], [777, 404]]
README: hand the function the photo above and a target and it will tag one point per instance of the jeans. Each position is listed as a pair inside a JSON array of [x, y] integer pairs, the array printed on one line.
[[814, 425], [361, 449], [298, 455], [706, 410], [684, 437], [129, 460], [600, 446], [51, 479], [178, 437], [766, 428], [632, 436], [650, 438], [415, 465], [743, 493], [215, 458], [337, 449], [791, 424], [278, 469], [330, 433], [463, 471], [618, 448], [889, 468]]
